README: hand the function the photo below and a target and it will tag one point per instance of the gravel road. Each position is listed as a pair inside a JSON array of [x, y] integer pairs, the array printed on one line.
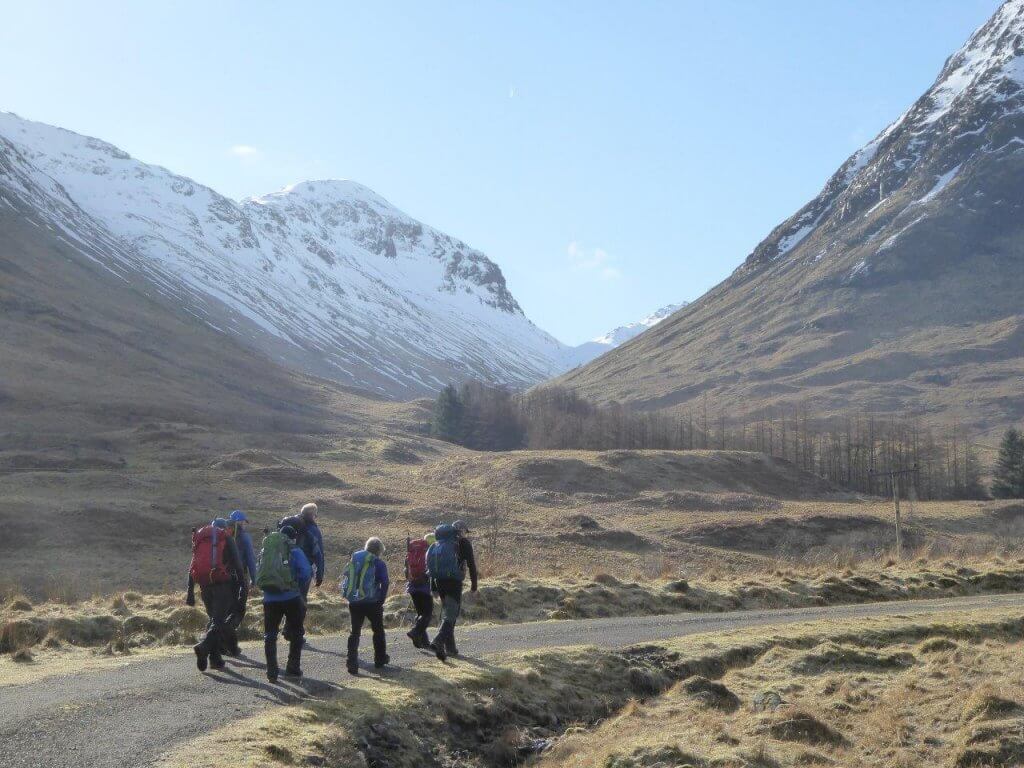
[[131, 715]]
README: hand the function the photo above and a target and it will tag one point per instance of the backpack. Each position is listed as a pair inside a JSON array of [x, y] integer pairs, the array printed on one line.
[[359, 584], [274, 572], [208, 567], [416, 561], [443, 555]]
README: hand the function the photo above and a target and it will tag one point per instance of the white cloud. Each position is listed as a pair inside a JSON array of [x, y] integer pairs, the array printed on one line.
[[243, 151], [595, 260]]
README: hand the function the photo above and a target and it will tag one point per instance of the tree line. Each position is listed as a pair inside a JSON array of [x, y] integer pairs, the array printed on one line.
[[855, 452]]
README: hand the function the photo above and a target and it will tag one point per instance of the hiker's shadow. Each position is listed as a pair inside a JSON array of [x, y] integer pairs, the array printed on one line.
[[472, 660], [228, 676], [243, 661]]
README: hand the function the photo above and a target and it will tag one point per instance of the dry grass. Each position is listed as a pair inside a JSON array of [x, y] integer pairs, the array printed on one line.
[[647, 706], [130, 620]]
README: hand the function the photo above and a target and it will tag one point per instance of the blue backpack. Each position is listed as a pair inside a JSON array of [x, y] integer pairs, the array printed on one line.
[[359, 584], [443, 555]]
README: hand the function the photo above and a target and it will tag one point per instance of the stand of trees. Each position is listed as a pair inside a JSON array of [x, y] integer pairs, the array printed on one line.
[[851, 451]]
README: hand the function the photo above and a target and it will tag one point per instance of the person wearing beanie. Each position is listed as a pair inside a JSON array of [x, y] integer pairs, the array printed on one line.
[[287, 604], [365, 586], [218, 583]]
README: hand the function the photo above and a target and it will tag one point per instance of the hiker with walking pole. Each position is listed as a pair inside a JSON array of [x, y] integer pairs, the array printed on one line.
[[417, 585], [448, 560], [217, 569]]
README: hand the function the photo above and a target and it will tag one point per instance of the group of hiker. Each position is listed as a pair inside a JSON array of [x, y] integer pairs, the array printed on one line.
[[226, 568]]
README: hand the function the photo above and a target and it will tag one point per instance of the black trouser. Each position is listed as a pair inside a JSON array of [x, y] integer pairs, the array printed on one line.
[[294, 614], [242, 602], [221, 601], [423, 602], [450, 592], [374, 613]]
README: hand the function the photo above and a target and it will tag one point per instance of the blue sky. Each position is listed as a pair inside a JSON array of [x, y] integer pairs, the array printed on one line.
[[611, 157]]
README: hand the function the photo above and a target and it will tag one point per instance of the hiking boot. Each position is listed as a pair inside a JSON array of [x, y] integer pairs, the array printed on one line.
[[217, 661], [291, 671], [353, 669], [382, 662], [201, 658], [234, 651], [450, 648], [271, 675], [438, 650], [417, 639]]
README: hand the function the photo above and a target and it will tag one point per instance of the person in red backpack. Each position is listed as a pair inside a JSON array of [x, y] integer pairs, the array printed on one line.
[[417, 584], [217, 569]]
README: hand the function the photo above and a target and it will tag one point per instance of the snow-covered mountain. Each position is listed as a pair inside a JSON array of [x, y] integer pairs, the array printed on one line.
[[325, 276], [588, 350], [896, 289]]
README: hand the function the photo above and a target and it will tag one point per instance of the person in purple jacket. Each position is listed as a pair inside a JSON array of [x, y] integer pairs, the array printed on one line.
[[365, 586]]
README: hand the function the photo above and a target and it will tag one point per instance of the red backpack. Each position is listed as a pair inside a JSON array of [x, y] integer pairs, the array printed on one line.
[[208, 565], [416, 561]]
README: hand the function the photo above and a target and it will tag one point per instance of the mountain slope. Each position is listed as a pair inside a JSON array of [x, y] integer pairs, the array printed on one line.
[[326, 276], [588, 350], [898, 288]]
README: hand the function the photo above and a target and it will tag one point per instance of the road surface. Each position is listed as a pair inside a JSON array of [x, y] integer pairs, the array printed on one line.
[[131, 715]]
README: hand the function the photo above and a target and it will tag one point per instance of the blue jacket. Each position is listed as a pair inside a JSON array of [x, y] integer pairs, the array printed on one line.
[[310, 539], [313, 546], [301, 572], [247, 554]]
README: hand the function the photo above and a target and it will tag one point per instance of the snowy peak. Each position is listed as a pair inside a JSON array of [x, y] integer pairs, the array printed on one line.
[[327, 276], [624, 333], [589, 350], [973, 108]]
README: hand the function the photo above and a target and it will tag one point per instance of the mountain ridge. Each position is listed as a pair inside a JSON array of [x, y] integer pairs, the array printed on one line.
[[895, 289], [325, 276]]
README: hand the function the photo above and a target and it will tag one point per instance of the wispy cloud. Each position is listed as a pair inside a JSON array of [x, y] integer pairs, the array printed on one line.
[[244, 151], [594, 260]]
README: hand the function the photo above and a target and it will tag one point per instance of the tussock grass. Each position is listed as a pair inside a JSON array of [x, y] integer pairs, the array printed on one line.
[[130, 620], [641, 706]]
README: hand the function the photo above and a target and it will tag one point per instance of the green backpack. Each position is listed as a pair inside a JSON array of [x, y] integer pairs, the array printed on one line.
[[274, 572]]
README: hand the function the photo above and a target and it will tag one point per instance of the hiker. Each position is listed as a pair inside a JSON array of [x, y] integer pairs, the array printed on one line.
[[283, 570], [247, 555], [365, 586], [217, 569], [417, 585], [448, 559], [311, 541]]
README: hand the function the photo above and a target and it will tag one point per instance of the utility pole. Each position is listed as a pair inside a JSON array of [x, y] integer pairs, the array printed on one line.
[[894, 475]]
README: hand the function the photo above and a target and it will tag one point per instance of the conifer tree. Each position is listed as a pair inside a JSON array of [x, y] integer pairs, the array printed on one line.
[[446, 420], [1008, 477]]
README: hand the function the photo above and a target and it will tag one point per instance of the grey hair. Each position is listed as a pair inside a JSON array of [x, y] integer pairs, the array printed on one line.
[[374, 546]]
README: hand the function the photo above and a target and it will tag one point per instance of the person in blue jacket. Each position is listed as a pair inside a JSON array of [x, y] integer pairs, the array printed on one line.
[[245, 547], [246, 553], [365, 586], [290, 606], [311, 541]]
